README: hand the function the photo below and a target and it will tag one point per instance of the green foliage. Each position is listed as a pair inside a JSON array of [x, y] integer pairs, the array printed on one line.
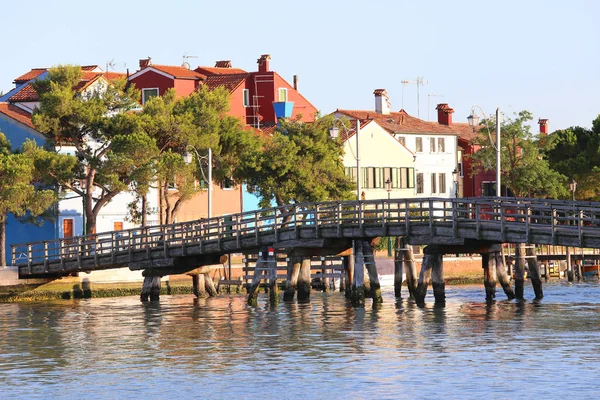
[[26, 189], [575, 152], [90, 120], [524, 170], [299, 163]]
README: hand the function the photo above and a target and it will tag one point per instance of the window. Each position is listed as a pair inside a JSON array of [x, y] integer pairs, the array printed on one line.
[[442, 182], [227, 184], [441, 145], [283, 94], [351, 173], [419, 144], [432, 145], [488, 188], [433, 183], [402, 140], [246, 99], [148, 93], [420, 182]]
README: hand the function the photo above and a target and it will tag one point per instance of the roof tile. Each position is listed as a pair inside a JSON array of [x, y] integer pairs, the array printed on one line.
[[17, 114], [178, 72], [401, 122], [229, 82]]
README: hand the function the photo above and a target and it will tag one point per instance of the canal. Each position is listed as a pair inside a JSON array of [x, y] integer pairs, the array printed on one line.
[[220, 348]]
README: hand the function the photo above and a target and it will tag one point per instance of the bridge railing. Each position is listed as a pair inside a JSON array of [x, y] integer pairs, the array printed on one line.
[[411, 212]]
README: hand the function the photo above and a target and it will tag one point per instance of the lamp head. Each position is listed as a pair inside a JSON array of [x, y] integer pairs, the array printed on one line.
[[187, 158], [334, 132]]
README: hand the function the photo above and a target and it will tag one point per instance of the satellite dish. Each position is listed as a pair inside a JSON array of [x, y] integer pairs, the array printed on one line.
[[186, 65]]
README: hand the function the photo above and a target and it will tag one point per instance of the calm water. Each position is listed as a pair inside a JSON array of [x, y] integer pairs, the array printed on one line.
[[220, 348]]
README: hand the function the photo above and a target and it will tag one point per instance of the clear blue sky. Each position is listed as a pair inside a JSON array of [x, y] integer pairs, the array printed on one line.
[[538, 55]]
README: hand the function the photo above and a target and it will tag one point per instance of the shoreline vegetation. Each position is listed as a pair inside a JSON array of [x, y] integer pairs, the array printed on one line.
[[60, 290]]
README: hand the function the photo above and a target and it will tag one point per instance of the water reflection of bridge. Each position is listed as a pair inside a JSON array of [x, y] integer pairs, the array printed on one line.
[[446, 226]]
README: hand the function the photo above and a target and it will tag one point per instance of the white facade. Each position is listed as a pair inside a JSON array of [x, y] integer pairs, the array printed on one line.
[[435, 160], [381, 158]]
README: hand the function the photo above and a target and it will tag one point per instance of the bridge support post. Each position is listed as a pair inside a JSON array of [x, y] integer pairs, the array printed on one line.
[[348, 274], [569, 264], [519, 270], [150, 288], [502, 275], [372, 271], [488, 261], [258, 273], [534, 272], [409, 267], [398, 267], [195, 287], [432, 268], [358, 283], [209, 285], [304, 280], [291, 283]]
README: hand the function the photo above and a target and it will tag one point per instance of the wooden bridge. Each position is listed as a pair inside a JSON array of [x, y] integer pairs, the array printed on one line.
[[326, 228]]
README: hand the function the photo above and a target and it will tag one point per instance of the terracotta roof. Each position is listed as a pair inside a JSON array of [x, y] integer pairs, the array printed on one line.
[[34, 73], [17, 114], [401, 122], [229, 82], [27, 93], [178, 72], [219, 70], [223, 64], [88, 67]]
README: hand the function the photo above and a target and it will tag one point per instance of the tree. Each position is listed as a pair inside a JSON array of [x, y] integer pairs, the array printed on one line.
[[88, 121], [199, 121], [299, 163], [25, 183], [575, 152], [524, 170]]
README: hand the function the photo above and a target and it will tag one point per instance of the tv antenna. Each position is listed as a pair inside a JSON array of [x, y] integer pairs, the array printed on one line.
[[429, 96], [420, 81], [112, 64], [186, 64]]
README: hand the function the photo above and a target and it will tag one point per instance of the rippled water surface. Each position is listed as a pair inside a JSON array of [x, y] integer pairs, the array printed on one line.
[[221, 348]]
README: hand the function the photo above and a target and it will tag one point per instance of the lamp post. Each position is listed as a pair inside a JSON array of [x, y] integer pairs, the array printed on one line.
[[388, 187], [187, 157], [334, 132], [455, 179], [473, 122], [573, 187]]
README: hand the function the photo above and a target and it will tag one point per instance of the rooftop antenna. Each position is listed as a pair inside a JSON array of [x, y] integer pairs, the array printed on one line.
[[112, 64], [186, 64], [419, 82], [429, 96]]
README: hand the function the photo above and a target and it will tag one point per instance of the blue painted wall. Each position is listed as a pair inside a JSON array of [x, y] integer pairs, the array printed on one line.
[[17, 232]]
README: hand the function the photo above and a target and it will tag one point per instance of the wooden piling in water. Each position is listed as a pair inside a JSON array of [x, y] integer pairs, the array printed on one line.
[[502, 275], [519, 270], [273, 287], [437, 279], [258, 272], [398, 267], [534, 271], [195, 288], [424, 277], [293, 270], [569, 264], [304, 280], [371, 266], [358, 284], [201, 285], [209, 285], [349, 274], [488, 261], [410, 267], [150, 288], [324, 275]]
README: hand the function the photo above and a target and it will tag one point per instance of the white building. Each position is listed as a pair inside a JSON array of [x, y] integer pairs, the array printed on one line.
[[432, 146]]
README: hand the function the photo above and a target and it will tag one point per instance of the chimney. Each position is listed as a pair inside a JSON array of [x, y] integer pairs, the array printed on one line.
[[444, 114], [263, 63], [382, 102], [295, 82], [543, 126], [223, 64], [145, 62]]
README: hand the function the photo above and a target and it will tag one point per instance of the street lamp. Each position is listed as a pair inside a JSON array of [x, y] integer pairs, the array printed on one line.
[[388, 187], [455, 179], [573, 187], [473, 122], [187, 157], [334, 132]]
